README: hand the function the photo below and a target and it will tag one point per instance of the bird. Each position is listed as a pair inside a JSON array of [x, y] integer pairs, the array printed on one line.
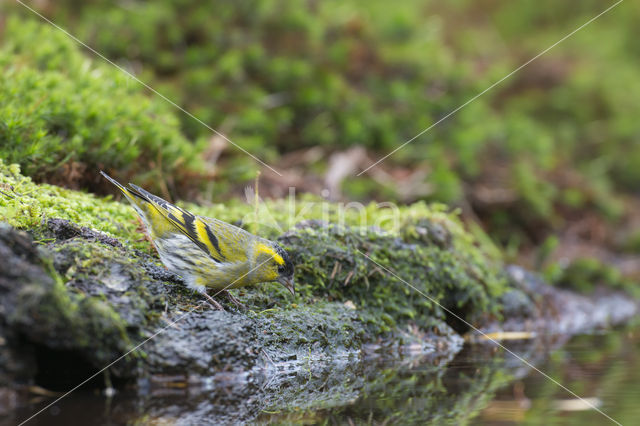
[[207, 252]]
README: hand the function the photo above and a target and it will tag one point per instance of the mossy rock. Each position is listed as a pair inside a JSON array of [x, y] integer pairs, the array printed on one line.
[[81, 292], [405, 281], [37, 305]]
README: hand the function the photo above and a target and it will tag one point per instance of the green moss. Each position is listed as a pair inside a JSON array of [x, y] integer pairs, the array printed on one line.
[[424, 244], [104, 300], [287, 74], [330, 264], [587, 274], [26, 205], [64, 117], [427, 246]]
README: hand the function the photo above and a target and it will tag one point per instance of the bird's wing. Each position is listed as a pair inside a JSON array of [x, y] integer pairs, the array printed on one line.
[[233, 241], [221, 244]]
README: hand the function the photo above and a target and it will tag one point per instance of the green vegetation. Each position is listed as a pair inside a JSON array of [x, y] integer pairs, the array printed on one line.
[[26, 205], [587, 274], [331, 263], [279, 75], [63, 117], [429, 248]]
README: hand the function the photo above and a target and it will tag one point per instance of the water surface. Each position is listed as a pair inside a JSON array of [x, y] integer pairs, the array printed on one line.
[[480, 385]]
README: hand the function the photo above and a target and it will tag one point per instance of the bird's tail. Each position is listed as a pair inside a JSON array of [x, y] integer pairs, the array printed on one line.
[[133, 196]]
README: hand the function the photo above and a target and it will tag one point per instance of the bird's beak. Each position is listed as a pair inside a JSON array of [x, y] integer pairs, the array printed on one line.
[[288, 283]]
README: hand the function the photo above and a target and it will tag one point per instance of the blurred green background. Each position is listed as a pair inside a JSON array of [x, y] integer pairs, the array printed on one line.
[[548, 161]]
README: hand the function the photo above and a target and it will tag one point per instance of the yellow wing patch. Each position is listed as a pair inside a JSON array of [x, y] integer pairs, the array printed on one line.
[[163, 215], [262, 248], [194, 228], [202, 234]]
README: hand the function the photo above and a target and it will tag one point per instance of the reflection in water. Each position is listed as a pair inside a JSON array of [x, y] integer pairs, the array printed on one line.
[[604, 368], [481, 385]]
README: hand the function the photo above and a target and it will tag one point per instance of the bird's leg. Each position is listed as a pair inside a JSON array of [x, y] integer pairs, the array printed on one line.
[[212, 301], [235, 301]]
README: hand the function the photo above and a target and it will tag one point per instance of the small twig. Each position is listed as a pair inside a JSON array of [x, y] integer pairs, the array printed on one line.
[[268, 357], [346, 281], [335, 270], [256, 201]]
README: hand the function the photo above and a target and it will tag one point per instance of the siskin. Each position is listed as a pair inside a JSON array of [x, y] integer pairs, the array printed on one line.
[[208, 252]]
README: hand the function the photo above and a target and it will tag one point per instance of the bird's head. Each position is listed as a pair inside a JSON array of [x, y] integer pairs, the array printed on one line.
[[275, 264]]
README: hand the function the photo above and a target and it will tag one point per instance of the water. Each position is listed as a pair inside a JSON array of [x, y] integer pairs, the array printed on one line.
[[604, 368], [480, 385]]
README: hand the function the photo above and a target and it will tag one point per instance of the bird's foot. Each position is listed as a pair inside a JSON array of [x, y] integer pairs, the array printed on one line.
[[235, 301], [213, 301]]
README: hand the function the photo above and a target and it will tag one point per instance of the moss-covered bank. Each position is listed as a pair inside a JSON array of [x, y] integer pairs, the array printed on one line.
[[81, 288], [105, 289], [424, 245]]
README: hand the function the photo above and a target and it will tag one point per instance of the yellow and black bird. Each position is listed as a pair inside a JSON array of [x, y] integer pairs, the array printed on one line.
[[208, 252]]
